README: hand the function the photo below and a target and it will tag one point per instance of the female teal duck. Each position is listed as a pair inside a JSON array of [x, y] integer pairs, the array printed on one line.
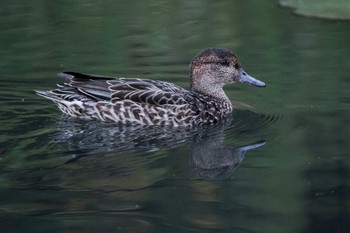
[[150, 102]]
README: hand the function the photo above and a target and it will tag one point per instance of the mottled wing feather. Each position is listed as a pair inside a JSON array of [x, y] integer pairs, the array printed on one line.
[[93, 86], [147, 91], [97, 90], [135, 89]]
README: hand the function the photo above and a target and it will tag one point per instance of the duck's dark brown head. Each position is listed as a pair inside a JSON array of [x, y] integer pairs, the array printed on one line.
[[213, 68]]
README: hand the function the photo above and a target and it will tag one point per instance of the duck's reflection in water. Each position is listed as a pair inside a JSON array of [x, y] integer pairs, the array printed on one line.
[[214, 160], [210, 157]]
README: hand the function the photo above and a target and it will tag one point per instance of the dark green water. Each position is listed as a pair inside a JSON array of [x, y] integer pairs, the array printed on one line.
[[63, 175]]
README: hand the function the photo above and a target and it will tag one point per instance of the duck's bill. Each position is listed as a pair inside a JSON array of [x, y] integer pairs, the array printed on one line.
[[247, 79]]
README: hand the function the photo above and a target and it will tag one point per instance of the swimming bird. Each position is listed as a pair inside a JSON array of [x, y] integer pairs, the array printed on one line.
[[130, 101]]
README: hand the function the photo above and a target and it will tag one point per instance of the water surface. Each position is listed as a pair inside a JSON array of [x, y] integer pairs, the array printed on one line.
[[65, 175]]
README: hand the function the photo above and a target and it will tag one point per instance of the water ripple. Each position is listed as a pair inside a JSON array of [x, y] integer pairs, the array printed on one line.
[[248, 122]]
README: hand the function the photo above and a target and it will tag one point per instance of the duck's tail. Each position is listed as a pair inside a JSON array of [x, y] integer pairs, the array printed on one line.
[[63, 93], [68, 102], [48, 95]]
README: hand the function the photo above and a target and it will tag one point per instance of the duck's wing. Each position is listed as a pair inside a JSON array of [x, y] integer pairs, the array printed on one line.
[[135, 89], [93, 86]]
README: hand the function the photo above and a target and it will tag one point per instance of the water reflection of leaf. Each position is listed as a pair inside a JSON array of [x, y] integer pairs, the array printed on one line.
[[339, 9]]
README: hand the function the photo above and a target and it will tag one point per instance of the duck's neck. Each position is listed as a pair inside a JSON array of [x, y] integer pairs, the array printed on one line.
[[206, 85], [219, 101]]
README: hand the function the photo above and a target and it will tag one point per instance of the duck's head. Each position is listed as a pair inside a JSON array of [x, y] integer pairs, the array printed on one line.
[[213, 68]]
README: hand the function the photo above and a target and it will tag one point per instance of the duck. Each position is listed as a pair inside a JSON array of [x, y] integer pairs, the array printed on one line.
[[145, 102]]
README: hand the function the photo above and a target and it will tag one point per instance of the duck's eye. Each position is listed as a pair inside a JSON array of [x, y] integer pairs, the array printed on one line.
[[237, 66], [225, 63]]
